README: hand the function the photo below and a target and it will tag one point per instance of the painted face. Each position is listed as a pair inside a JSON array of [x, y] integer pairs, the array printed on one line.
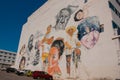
[[49, 28], [62, 19], [90, 39], [55, 57], [88, 32], [50, 40], [70, 32], [30, 42], [22, 63], [22, 50], [80, 15]]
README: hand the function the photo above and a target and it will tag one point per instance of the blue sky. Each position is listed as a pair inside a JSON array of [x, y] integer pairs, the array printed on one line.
[[13, 14]]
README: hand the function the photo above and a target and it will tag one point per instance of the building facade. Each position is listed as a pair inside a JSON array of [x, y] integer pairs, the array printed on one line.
[[7, 58], [73, 39]]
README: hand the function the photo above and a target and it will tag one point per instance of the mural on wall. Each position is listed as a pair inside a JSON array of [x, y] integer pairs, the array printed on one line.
[[76, 57], [30, 42], [63, 17], [46, 43], [29, 49], [55, 53], [37, 53], [71, 44], [49, 48], [22, 50], [22, 63], [38, 48], [88, 29]]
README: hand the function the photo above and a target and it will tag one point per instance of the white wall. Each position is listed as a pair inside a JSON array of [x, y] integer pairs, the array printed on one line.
[[98, 62]]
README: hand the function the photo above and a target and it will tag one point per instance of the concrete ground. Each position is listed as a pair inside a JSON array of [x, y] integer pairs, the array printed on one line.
[[11, 76]]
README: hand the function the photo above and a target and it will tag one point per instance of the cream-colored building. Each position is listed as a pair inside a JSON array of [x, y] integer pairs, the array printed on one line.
[[7, 59], [100, 24]]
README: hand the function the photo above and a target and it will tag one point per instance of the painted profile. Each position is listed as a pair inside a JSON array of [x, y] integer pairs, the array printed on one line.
[[63, 17], [55, 53], [46, 45], [37, 53], [30, 42], [59, 44], [79, 15], [22, 63], [36, 58], [22, 50], [88, 31]]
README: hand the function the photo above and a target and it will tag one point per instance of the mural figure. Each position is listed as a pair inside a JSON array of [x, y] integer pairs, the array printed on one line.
[[37, 54], [63, 17], [79, 15], [38, 47], [46, 43], [55, 53], [29, 48], [22, 63], [30, 42], [76, 59], [88, 29], [71, 44], [22, 50]]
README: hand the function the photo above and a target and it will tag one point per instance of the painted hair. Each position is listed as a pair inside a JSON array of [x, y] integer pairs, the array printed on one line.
[[59, 44], [22, 59], [30, 42], [75, 17], [92, 23]]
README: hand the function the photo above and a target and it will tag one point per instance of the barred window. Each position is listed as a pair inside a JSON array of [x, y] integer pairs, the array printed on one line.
[[118, 1]]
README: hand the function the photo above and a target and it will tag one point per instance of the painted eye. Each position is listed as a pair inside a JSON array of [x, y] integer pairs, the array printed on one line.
[[92, 29], [84, 33]]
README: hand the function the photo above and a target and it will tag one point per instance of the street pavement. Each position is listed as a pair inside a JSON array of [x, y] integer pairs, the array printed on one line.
[[11, 76]]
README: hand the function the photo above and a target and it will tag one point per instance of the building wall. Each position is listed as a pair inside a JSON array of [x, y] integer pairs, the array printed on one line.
[[7, 58], [98, 61]]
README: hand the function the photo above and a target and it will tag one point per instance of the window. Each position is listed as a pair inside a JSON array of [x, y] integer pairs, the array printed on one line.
[[5, 52], [14, 55], [8, 60], [111, 6], [1, 52], [4, 60], [116, 32], [13, 58], [115, 26], [114, 9], [118, 1]]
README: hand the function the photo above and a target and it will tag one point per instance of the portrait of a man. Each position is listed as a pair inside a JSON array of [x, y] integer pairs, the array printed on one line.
[[63, 17]]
